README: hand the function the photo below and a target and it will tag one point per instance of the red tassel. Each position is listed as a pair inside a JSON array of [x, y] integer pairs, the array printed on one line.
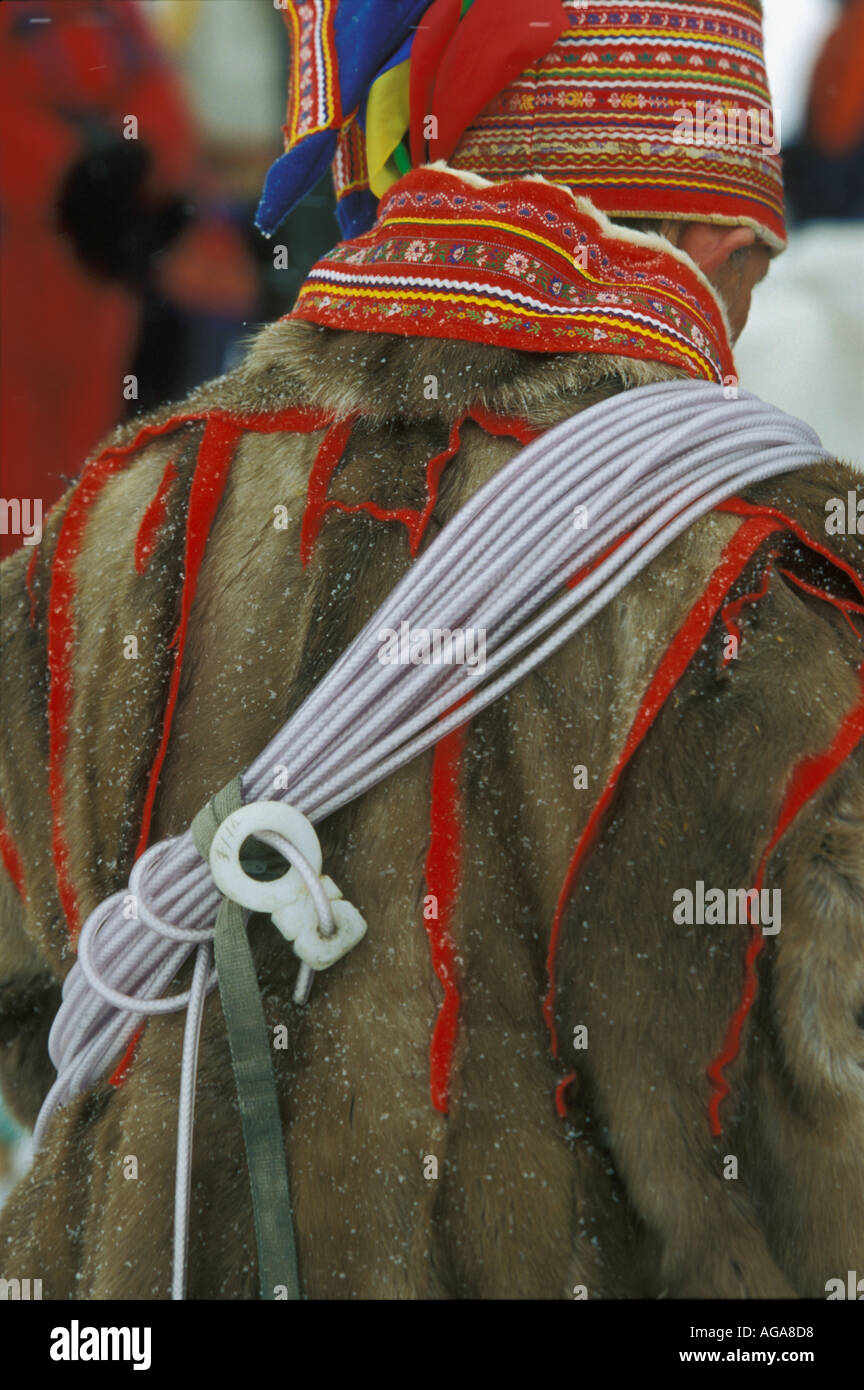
[[494, 42], [434, 32]]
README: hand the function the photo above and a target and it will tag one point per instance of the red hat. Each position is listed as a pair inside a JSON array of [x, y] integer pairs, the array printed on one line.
[[656, 109]]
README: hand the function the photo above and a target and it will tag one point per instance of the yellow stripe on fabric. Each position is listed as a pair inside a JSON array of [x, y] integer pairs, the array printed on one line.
[[673, 81], [675, 38], [331, 91], [430, 296], [479, 222], [388, 115], [291, 132], [690, 308], [292, 136], [693, 184]]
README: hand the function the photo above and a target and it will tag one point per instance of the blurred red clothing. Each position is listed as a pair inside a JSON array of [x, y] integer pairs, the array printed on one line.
[[69, 69], [836, 116]]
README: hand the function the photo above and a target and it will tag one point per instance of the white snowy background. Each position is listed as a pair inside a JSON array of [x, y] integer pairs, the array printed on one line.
[[803, 348]]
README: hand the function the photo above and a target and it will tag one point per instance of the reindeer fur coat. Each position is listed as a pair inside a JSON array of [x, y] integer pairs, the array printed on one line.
[[624, 1197]]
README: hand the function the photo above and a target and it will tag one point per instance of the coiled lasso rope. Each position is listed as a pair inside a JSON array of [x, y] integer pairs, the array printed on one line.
[[647, 462]]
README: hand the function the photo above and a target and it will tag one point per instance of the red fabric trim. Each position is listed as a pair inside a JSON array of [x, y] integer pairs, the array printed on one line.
[[327, 460], [118, 1075], [759, 523], [732, 611], [221, 436], [511, 425], [740, 507], [845, 606], [12, 859], [222, 432], [153, 519], [680, 652], [597, 561], [61, 644], [61, 623], [443, 863], [434, 469], [560, 1092], [808, 777], [29, 579], [207, 486], [303, 419], [414, 521]]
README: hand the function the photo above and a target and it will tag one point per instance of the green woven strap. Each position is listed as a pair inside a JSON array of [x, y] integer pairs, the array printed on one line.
[[253, 1073]]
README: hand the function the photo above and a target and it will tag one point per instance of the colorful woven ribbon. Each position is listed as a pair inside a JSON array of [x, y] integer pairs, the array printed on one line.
[[519, 264], [656, 110]]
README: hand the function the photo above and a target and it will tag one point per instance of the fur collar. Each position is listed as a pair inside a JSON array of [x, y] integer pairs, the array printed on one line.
[[388, 376]]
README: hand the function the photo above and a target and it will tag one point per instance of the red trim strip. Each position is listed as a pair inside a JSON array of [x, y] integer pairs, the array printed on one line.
[[327, 459], [415, 522], [443, 863], [215, 456], [594, 564], [118, 1076], [207, 487], [61, 643], [740, 507], [732, 611], [808, 777], [810, 774], [153, 519], [845, 606], [12, 859], [680, 652]]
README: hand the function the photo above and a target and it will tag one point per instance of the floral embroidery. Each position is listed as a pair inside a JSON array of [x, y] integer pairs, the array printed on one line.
[[514, 272]]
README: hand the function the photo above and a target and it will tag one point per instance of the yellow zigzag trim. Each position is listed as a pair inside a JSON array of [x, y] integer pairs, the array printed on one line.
[[692, 310], [324, 287]]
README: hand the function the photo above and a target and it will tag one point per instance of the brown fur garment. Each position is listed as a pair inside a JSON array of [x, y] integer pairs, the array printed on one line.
[[627, 1198]]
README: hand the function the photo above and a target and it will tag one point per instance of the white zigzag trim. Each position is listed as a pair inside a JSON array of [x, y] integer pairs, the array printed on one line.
[[409, 281]]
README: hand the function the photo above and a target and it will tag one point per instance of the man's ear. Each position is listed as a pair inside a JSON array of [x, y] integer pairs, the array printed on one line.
[[709, 246]]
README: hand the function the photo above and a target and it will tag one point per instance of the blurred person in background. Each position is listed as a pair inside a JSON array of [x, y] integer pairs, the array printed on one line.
[[105, 208], [824, 168]]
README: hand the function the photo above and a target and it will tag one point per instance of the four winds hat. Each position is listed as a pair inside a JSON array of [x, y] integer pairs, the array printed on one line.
[[658, 110]]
